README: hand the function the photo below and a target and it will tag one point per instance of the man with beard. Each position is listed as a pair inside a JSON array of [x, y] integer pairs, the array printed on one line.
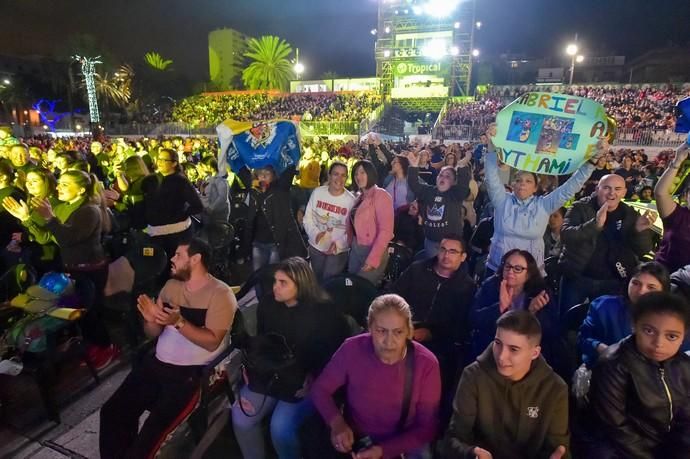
[[190, 318]]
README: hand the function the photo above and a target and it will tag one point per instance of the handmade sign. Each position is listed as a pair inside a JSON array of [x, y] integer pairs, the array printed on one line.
[[550, 133]]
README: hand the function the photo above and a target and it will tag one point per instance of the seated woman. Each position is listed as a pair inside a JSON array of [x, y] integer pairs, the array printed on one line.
[[518, 284], [639, 393], [75, 225], [296, 310], [608, 319], [373, 368]]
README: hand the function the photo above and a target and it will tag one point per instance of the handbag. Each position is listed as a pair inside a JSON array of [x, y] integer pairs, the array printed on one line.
[[272, 368]]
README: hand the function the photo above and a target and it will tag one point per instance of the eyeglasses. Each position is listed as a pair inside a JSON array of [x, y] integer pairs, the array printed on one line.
[[443, 250], [517, 269]]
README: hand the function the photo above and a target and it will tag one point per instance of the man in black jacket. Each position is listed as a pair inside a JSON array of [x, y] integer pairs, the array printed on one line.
[[603, 241], [440, 294]]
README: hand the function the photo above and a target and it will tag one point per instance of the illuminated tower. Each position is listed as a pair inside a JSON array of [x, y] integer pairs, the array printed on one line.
[[424, 47], [226, 48]]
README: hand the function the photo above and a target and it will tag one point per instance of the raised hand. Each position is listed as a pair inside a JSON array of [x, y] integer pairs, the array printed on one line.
[[19, 210], [505, 296], [645, 221], [538, 302], [601, 215], [148, 308]]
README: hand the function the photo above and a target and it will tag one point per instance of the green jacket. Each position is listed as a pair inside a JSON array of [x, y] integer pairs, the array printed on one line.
[[512, 420]]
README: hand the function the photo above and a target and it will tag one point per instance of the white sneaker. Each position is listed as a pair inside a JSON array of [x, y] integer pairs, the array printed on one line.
[[11, 367]]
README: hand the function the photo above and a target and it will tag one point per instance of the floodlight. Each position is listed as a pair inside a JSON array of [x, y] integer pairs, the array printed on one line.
[[475, 52], [440, 8], [78, 127], [478, 24], [456, 25], [386, 53], [299, 68], [454, 51], [6, 81], [579, 59], [387, 29], [417, 10], [372, 31], [571, 50], [436, 49]]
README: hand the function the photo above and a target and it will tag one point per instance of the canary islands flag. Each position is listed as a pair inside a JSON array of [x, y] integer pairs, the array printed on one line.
[[258, 144]]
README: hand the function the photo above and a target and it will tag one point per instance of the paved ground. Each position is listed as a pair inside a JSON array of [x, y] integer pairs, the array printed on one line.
[[25, 433]]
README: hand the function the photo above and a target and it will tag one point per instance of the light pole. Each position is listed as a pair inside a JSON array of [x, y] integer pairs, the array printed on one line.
[[571, 51], [299, 67]]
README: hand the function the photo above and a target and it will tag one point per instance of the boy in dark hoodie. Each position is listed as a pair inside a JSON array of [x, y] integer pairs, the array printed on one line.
[[510, 404]]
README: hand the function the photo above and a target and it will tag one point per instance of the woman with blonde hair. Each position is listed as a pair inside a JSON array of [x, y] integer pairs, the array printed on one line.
[[392, 385]]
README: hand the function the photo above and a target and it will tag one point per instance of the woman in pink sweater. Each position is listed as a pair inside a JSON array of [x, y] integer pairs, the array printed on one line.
[[370, 225], [373, 368]]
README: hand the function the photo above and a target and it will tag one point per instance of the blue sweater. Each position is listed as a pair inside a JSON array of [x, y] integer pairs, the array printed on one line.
[[521, 224]]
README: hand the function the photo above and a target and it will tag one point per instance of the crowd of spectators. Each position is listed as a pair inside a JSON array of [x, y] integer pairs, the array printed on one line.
[[209, 110], [477, 269], [644, 107]]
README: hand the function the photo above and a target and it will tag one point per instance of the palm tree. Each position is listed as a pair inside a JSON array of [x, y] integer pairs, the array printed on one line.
[[271, 68], [156, 61]]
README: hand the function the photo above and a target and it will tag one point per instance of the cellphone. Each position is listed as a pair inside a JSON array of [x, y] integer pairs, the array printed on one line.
[[361, 444]]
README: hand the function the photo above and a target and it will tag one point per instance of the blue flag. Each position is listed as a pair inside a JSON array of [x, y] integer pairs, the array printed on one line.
[[257, 145]]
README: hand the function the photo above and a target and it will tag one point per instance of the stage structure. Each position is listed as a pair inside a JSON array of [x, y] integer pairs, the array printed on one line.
[[424, 47]]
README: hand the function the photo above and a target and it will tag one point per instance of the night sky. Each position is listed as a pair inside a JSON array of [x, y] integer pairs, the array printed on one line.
[[332, 34]]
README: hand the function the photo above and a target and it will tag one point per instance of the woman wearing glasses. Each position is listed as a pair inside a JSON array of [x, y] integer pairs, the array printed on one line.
[[518, 284], [520, 216], [169, 202]]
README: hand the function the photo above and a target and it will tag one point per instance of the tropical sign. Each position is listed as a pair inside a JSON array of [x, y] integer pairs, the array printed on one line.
[[549, 133]]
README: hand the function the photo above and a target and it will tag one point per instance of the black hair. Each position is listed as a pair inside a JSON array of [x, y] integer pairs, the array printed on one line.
[[336, 164], [369, 169], [173, 156], [658, 271], [197, 245], [521, 322], [7, 169], [455, 237], [535, 281], [661, 303]]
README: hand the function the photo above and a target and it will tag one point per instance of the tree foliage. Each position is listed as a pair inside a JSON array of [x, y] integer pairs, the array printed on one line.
[[157, 62], [270, 67]]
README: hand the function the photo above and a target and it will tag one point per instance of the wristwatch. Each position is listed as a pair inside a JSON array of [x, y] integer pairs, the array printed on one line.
[[180, 323]]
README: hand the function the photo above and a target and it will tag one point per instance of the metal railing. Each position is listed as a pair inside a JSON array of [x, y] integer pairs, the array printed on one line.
[[329, 127]]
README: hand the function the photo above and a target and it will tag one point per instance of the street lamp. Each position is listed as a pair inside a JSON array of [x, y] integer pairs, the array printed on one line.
[[298, 67], [571, 50]]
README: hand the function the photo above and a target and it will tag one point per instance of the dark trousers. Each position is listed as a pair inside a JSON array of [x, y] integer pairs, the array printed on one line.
[[168, 392], [93, 328]]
